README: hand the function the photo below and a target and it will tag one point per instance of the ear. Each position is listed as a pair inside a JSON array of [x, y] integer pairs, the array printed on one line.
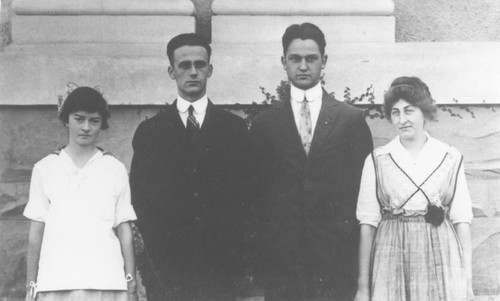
[[323, 61], [283, 62], [210, 70], [171, 72]]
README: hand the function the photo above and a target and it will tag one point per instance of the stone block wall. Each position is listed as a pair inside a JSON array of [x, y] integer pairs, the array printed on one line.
[[40, 132]]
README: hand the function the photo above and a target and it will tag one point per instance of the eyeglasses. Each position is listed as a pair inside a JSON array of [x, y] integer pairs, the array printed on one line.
[[186, 65]]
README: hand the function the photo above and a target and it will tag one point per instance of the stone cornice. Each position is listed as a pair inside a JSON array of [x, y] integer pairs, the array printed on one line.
[[103, 7], [304, 7]]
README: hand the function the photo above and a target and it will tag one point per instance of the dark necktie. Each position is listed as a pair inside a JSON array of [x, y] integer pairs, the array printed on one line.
[[192, 124], [305, 126]]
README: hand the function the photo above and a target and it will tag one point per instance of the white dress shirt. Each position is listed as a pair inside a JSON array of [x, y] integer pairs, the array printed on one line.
[[80, 208], [368, 209], [314, 97], [199, 112]]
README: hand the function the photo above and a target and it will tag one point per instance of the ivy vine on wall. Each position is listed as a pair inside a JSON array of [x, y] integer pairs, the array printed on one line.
[[365, 101]]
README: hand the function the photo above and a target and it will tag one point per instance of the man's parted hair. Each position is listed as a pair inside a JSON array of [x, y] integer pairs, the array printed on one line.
[[303, 31], [187, 39]]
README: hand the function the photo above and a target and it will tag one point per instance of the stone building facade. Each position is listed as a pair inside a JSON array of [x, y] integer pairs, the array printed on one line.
[[453, 45]]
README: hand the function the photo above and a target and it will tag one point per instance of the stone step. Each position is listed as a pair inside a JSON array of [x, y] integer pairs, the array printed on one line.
[[263, 21], [99, 21]]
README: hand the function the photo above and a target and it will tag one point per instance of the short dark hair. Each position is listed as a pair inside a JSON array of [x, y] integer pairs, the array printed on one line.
[[88, 100], [303, 31], [414, 91], [187, 39]]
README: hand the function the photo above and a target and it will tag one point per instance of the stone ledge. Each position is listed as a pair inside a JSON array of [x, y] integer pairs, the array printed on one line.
[[35, 75], [298, 7], [137, 74], [469, 72], [103, 7]]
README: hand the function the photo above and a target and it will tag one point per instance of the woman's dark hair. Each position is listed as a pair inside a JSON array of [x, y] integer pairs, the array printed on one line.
[[88, 100], [414, 91], [303, 31]]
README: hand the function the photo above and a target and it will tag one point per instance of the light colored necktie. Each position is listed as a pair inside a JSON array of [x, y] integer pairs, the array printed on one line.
[[305, 126]]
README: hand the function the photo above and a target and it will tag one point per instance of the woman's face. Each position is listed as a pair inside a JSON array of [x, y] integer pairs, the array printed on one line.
[[407, 119], [84, 128]]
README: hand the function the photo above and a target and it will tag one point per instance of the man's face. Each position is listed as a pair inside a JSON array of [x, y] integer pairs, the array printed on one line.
[[190, 69], [303, 63]]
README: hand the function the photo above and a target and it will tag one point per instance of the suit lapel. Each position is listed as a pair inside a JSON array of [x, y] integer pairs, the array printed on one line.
[[173, 119], [288, 126], [208, 127], [326, 119], [172, 130]]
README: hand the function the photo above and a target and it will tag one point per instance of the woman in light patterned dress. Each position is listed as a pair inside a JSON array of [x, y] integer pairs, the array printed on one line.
[[414, 209]]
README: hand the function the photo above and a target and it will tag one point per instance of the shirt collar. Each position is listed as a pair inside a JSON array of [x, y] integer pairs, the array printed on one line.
[[432, 144], [311, 94], [199, 106], [64, 154]]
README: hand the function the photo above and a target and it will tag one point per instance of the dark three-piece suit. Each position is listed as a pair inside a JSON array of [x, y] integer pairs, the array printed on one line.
[[190, 201], [307, 228]]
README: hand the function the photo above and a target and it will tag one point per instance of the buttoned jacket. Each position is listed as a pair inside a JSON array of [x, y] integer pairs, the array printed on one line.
[[306, 208], [189, 203]]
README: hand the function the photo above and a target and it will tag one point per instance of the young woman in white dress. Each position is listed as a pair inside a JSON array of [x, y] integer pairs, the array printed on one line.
[[80, 239]]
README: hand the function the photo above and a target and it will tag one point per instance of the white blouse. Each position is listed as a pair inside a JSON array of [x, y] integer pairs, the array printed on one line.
[[368, 208], [80, 208]]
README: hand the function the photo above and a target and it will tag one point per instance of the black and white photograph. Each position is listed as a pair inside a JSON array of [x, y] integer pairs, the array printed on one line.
[[237, 150]]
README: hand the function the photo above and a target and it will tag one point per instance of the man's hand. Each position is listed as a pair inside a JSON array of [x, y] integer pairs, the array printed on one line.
[[29, 297]]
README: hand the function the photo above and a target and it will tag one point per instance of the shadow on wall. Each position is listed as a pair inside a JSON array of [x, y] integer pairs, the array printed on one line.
[[5, 24]]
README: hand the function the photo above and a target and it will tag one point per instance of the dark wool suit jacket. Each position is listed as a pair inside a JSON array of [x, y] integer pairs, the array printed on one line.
[[306, 209], [190, 204]]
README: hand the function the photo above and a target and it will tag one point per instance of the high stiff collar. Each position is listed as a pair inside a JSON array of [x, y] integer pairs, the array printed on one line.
[[199, 106], [311, 94]]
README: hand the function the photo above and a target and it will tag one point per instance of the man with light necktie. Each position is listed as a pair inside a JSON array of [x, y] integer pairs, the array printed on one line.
[[188, 180], [309, 151]]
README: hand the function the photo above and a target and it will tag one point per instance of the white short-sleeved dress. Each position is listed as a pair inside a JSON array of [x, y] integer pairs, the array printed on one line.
[[411, 258], [80, 208]]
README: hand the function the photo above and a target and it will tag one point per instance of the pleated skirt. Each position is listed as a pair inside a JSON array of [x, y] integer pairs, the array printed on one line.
[[413, 260], [82, 295]]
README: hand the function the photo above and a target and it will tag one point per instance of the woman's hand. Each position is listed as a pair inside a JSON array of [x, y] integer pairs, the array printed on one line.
[[132, 296], [132, 291]]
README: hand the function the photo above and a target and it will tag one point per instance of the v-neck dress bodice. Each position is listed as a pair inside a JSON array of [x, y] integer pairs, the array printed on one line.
[[412, 259]]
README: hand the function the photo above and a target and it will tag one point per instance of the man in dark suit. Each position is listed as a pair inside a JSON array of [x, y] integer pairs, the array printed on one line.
[[309, 153], [187, 179]]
